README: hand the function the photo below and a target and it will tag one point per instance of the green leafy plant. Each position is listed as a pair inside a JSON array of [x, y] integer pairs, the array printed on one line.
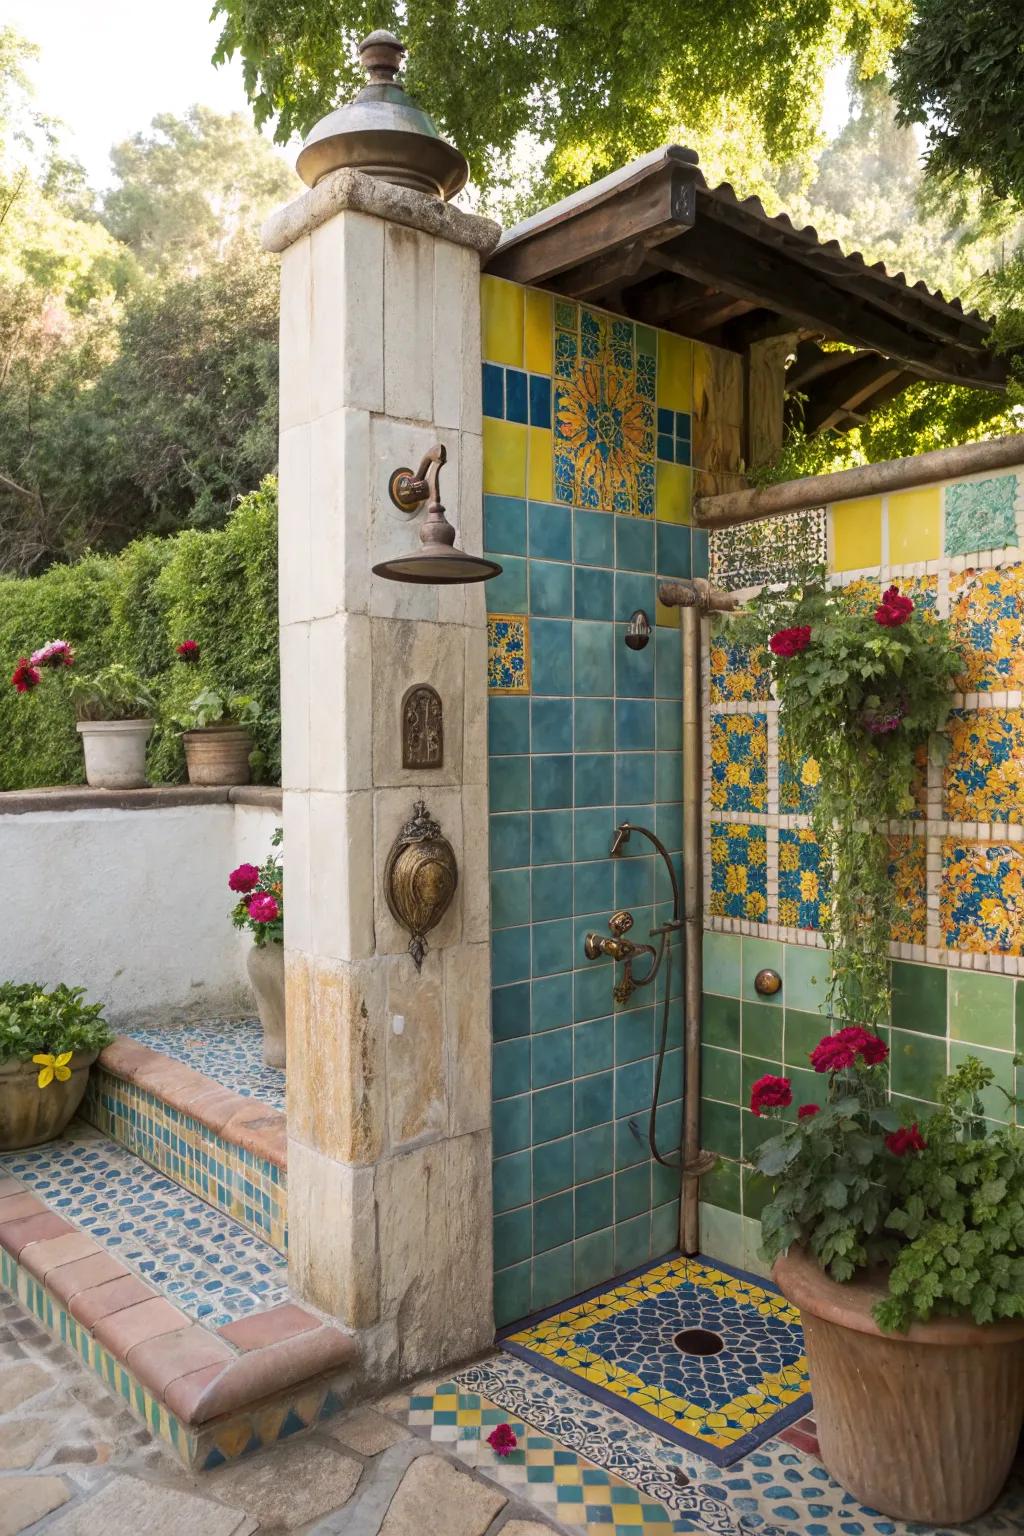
[[213, 708], [35, 1021], [113, 693], [862, 688], [941, 1205], [260, 891]]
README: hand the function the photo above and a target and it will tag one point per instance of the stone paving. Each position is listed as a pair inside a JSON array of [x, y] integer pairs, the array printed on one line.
[[73, 1462]]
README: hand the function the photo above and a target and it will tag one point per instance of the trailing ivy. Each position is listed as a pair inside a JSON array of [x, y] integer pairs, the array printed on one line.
[[217, 588]]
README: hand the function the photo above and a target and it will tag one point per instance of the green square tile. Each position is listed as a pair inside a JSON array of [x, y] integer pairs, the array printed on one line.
[[552, 1222], [981, 1009], [722, 1186], [632, 1243], [720, 1128], [806, 978], [760, 955], [720, 1074], [762, 1030], [631, 1140], [803, 1031], [721, 1021], [756, 1130], [552, 1279], [808, 1088], [664, 1228], [919, 997], [512, 1181], [632, 1192], [755, 1067], [1001, 1063], [552, 1113], [918, 1064], [722, 963], [1020, 1014], [757, 1191]]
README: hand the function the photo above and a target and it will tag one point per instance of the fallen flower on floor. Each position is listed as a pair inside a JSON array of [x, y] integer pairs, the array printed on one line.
[[502, 1440]]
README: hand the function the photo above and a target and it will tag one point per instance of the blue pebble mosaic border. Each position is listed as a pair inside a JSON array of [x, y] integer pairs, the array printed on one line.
[[228, 1051]]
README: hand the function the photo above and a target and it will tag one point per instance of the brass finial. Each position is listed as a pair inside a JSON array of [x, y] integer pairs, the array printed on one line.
[[381, 55]]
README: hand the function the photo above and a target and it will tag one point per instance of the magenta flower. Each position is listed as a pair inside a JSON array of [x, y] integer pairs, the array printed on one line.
[[56, 653], [188, 650], [502, 1440], [25, 677], [245, 878], [263, 908]]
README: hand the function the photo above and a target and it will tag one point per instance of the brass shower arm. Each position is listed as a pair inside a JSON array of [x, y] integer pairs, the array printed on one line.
[[696, 592]]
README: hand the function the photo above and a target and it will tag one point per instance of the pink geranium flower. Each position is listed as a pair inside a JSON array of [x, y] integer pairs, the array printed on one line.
[[263, 908], [188, 650], [502, 1440], [56, 653], [245, 878]]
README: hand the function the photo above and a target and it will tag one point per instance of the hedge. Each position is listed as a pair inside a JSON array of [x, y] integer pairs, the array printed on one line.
[[218, 588]]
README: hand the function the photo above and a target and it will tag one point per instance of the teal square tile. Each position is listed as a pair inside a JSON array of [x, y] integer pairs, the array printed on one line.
[[592, 991], [508, 725], [634, 883], [595, 725], [511, 1125], [552, 1168], [760, 955], [664, 1228], [632, 1243], [634, 1035], [593, 538], [510, 1011], [594, 830], [634, 670], [634, 725], [634, 776], [509, 783], [550, 726], [593, 657], [721, 968], [511, 1068], [593, 1260], [806, 978], [594, 593], [551, 590], [510, 955], [762, 1030], [594, 1206], [669, 673], [551, 1002], [594, 1152], [994, 1098], [593, 1100], [551, 891], [552, 1221], [917, 1064], [720, 1128], [552, 947], [634, 1087], [668, 725], [552, 1057], [594, 886], [593, 1046], [551, 650], [594, 779], [550, 531], [551, 837], [632, 1192], [634, 544], [512, 1237], [511, 1295], [504, 526], [552, 1282], [634, 590], [510, 840], [552, 1113], [507, 593], [510, 898], [512, 1186]]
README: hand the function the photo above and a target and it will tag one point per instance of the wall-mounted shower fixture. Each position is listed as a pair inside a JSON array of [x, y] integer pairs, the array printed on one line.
[[638, 630], [620, 949], [437, 562]]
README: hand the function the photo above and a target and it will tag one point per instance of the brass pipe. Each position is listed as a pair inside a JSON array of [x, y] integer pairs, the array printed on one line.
[[693, 919]]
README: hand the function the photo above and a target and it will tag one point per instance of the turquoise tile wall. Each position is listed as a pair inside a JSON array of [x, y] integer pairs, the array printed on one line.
[[595, 740]]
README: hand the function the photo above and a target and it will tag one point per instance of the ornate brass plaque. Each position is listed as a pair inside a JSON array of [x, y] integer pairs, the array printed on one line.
[[420, 878], [422, 728]]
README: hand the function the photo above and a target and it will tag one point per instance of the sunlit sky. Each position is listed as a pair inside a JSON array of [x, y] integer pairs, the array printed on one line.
[[108, 66]]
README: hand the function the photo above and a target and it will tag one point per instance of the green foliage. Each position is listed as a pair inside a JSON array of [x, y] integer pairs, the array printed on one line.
[[217, 588], [960, 72], [269, 882], [860, 698], [213, 708], [114, 692], [34, 1021]]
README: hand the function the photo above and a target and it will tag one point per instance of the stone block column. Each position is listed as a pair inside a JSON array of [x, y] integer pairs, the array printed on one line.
[[389, 1186]]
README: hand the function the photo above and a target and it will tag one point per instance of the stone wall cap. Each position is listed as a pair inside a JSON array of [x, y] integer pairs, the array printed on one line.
[[155, 797], [359, 193], [266, 797]]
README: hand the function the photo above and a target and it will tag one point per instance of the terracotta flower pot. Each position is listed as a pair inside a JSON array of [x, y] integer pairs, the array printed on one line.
[[921, 1425], [30, 1114], [115, 752], [218, 754], [265, 965]]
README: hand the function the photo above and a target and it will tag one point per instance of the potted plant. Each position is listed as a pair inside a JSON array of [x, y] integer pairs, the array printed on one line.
[[218, 741], [114, 711], [903, 1247], [260, 909], [48, 1042]]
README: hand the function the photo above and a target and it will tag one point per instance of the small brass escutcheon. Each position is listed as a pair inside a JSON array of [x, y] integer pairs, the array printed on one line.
[[420, 878], [767, 983], [422, 728]]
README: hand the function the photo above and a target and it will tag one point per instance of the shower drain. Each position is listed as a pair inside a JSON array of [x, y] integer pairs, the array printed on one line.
[[698, 1341]]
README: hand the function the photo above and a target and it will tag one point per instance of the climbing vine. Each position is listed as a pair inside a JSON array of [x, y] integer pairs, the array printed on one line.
[[862, 687]]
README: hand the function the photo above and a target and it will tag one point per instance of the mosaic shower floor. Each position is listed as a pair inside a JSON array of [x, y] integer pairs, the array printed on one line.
[[703, 1354], [228, 1051], [589, 1468], [203, 1261]]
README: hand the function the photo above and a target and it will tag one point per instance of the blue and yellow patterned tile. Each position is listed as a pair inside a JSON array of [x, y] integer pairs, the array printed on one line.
[[987, 610], [981, 897], [908, 873], [508, 653], [803, 880], [980, 514], [739, 871], [985, 768], [798, 781], [923, 592], [739, 762], [739, 673]]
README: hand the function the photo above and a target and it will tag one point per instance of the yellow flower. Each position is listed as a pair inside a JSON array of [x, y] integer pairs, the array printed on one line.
[[53, 1067], [789, 913], [789, 856], [808, 885], [757, 853], [737, 773], [810, 773]]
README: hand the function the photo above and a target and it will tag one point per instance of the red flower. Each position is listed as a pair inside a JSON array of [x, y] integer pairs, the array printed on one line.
[[894, 609], [907, 1139], [245, 878], [790, 642], [502, 1440], [263, 908], [808, 1111], [770, 1093], [188, 650], [834, 1053], [25, 676]]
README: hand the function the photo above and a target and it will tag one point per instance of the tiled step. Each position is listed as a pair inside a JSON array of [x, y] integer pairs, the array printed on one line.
[[195, 1101], [176, 1307]]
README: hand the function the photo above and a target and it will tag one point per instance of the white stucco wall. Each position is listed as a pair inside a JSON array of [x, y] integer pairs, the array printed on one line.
[[131, 904]]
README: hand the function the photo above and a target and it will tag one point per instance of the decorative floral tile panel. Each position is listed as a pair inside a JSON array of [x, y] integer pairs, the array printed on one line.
[[803, 880], [777, 550], [923, 592], [604, 413], [987, 609], [798, 781], [985, 768], [980, 514], [739, 871], [739, 673], [508, 653], [908, 872], [981, 899], [739, 762]]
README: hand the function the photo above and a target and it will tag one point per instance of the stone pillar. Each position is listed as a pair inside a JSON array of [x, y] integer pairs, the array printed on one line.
[[389, 1186]]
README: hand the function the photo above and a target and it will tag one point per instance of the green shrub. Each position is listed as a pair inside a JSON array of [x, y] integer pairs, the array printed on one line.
[[218, 588], [33, 1020]]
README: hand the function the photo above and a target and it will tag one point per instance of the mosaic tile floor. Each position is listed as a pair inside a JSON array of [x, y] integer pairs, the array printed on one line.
[[202, 1260], [703, 1354], [777, 1490], [228, 1051]]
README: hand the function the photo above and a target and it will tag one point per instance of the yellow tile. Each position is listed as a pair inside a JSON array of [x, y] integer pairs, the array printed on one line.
[[857, 534], [914, 531], [504, 457], [540, 477], [501, 306], [675, 372], [539, 325], [672, 493]]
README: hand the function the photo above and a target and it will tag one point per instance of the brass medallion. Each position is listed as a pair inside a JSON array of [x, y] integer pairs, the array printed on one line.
[[422, 728], [420, 878]]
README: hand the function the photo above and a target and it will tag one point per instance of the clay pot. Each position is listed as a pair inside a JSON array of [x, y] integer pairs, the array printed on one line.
[[30, 1114], [218, 754], [266, 972], [115, 752], [921, 1425]]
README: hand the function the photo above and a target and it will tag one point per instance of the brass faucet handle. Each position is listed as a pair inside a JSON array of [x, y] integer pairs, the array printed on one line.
[[620, 922]]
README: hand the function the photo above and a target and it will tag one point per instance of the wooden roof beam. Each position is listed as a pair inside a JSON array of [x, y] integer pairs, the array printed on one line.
[[848, 390]]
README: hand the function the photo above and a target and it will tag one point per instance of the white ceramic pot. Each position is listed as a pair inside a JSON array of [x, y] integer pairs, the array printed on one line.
[[115, 752]]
